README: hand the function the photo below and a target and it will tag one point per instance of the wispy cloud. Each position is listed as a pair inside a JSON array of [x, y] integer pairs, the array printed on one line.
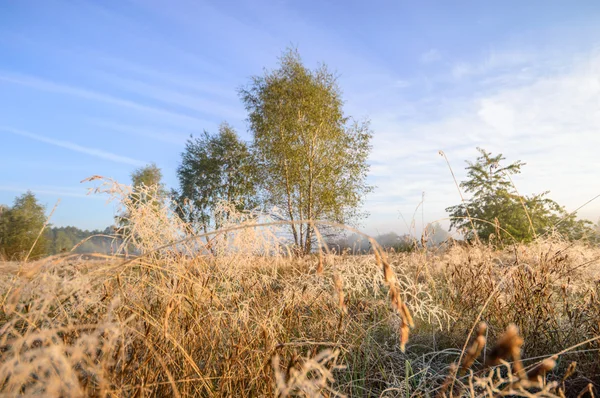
[[45, 85], [52, 191], [493, 61], [401, 83], [181, 81], [431, 56], [75, 147], [160, 93], [551, 122], [170, 136]]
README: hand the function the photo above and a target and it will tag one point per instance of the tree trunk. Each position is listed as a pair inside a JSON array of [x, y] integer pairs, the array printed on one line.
[[289, 205]]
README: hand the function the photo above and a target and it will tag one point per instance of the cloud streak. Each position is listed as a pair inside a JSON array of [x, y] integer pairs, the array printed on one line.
[[75, 147], [169, 136], [173, 97], [551, 122], [177, 80], [493, 61], [45, 85], [53, 191], [431, 56]]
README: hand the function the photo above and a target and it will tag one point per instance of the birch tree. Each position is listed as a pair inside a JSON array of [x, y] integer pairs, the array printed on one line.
[[312, 157]]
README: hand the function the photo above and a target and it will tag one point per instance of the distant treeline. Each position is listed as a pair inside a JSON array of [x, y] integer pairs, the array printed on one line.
[[20, 238], [435, 235], [309, 160], [62, 239]]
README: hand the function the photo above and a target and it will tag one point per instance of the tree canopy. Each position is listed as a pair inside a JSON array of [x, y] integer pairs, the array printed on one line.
[[147, 189], [312, 158], [63, 239], [214, 168], [497, 210], [20, 226], [147, 183]]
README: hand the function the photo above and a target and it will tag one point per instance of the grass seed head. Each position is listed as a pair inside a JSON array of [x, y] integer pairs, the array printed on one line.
[[506, 346]]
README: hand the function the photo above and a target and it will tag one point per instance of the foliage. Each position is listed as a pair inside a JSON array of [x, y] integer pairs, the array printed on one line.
[[246, 325], [313, 158], [149, 176], [177, 322], [63, 239], [497, 210], [147, 189], [436, 234], [215, 168], [20, 225], [358, 244]]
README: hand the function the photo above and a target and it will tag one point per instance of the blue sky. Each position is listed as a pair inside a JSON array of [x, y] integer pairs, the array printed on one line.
[[103, 87]]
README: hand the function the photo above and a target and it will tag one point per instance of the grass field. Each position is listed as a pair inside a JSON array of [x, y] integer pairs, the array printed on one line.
[[247, 319], [249, 325]]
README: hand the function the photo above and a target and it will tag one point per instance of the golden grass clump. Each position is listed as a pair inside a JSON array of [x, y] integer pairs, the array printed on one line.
[[177, 313]]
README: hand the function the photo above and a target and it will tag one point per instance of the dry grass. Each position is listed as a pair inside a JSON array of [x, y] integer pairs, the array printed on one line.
[[243, 318]]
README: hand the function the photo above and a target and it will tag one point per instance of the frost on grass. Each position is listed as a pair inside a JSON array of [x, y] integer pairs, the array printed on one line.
[[234, 314]]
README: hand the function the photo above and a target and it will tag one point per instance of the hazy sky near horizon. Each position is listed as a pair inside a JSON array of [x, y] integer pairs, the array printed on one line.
[[103, 87]]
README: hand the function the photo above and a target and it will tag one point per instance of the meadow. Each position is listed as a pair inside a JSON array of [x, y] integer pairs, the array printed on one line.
[[245, 317]]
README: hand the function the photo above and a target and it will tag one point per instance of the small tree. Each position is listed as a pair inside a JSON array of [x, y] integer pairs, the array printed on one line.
[[147, 189], [147, 184], [215, 168], [495, 209], [62, 242], [313, 158], [436, 234], [20, 226]]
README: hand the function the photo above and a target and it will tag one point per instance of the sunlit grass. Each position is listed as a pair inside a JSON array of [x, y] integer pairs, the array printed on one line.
[[243, 317]]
